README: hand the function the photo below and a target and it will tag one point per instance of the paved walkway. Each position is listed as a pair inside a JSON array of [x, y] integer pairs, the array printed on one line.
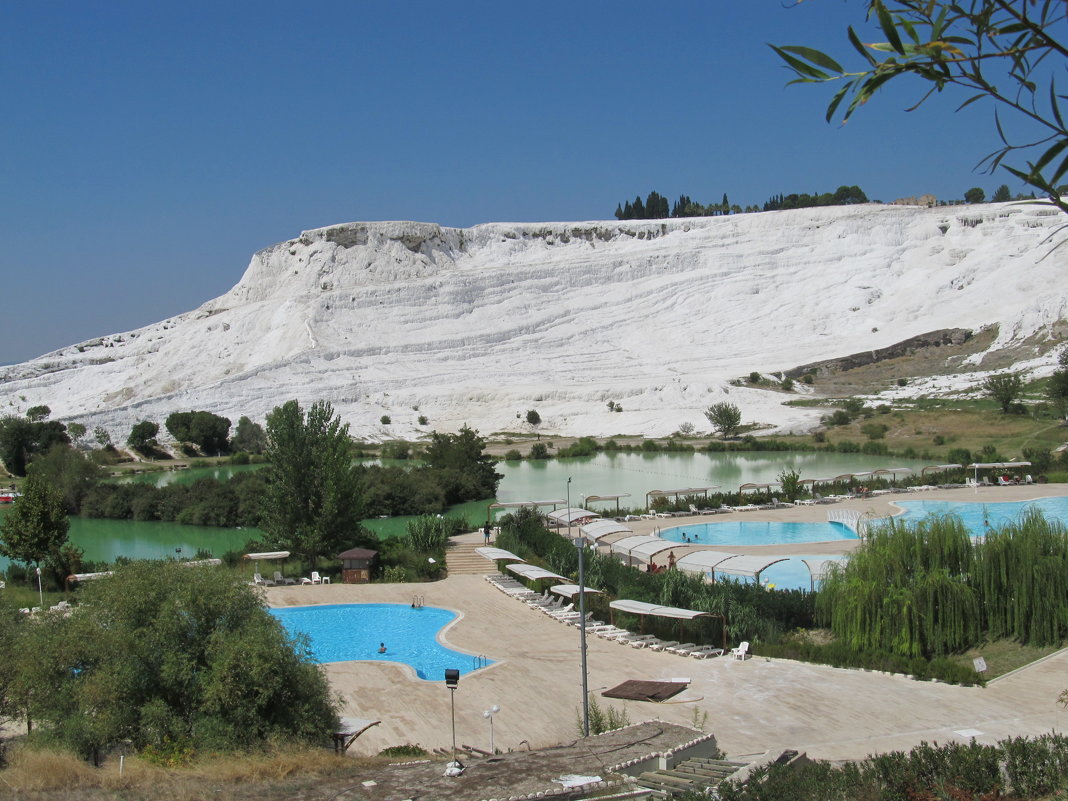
[[751, 706]]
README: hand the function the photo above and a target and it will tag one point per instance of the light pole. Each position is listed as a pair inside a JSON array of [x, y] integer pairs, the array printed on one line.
[[489, 713], [569, 507], [580, 543], [40, 592], [452, 679]]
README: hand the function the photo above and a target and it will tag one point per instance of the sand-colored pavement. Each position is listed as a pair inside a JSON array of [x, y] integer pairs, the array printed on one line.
[[751, 706]]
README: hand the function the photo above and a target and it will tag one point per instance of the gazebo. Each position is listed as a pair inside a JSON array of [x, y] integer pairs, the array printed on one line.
[[600, 498], [677, 493]]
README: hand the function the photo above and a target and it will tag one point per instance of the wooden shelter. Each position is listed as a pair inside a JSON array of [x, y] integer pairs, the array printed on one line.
[[356, 565]]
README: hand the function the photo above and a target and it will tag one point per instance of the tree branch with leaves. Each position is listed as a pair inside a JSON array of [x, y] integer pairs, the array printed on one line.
[[1007, 51]]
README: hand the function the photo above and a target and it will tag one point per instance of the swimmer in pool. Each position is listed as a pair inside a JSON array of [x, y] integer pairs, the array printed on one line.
[[381, 648]]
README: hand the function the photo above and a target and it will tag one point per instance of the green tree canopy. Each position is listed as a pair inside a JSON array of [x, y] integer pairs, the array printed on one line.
[[70, 472], [974, 195], [725, 417], [22, 439], [1001, 194], [209, 432], [312, 507], [171, 657], [143, 435], [249, 437], [35, 530], [1005, 388], [468, 473], [35, 414]]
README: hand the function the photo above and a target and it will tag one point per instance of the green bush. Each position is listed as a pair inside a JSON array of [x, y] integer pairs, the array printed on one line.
[[513, 456]]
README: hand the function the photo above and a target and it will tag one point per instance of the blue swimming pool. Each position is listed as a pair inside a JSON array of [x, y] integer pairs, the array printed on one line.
[[976, 514], [347, 632], [750, 532]]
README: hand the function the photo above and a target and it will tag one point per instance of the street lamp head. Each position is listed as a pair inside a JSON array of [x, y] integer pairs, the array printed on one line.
[[452, 677], [495, 709]]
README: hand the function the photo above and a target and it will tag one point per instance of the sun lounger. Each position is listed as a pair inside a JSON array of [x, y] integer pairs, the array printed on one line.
[[608, 632], [633, 639], [706, 652], [280, 579], [662, 645], [567, 610], [260, 581], [681, 650]]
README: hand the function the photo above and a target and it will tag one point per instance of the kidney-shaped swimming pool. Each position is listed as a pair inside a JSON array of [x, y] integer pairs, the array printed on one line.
[[348, 632]]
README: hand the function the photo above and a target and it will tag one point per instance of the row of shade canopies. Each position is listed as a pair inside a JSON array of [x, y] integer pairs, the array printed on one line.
[[642, 550], [576, 516]]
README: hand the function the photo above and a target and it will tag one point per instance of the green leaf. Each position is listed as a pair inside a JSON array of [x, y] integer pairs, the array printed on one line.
[[815, 56], [799, 66], [1049, 155], [836, 101], [859, 47], [971, 100], [1056, 177], [886, 22], [1055, 105]]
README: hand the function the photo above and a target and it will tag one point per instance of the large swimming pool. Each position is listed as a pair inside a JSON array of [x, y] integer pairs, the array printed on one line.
[[977, 514], [749, 532], [348, 632]]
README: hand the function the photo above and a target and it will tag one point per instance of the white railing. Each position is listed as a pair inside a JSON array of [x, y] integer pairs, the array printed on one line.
[[850, 518]]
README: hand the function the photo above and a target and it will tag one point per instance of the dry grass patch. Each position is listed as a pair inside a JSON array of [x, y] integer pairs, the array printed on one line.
[[35, 772]]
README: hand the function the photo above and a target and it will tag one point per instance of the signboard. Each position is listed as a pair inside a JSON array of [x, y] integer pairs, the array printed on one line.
[[980, 664]]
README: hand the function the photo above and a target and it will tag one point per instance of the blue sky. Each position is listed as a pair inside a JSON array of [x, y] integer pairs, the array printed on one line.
[[148, 149]]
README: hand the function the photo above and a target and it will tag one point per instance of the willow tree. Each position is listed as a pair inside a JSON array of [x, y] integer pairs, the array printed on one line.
[[906, 590], [1022, 576]]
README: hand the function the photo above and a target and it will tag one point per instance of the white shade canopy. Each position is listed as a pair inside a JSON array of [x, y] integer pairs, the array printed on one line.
[[570, 515], [702, 561], [498, 554], [268, 555], [643, 608], [818, 568], [533, 573], [570, 590], [596, 529], [893, 471], [747, 565], [934, 468], [642, 545], [1001, 465]]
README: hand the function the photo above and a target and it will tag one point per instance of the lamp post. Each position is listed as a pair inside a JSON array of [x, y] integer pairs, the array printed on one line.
[[580, 543], [40, 591], [488, 714], [568, 510], [452, 679]]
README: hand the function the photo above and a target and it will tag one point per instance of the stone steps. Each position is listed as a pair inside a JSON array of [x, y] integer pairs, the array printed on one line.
[[461, 559], [693, 775]]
